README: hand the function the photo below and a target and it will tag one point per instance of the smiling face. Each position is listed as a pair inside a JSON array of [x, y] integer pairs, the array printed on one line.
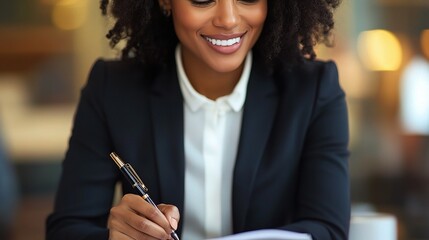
[[216, 34]]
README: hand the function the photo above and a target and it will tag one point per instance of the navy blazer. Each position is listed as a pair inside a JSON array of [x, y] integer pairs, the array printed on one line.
[[291, 170]]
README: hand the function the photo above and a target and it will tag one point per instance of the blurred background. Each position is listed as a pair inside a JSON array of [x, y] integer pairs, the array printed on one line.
[[381, 47]]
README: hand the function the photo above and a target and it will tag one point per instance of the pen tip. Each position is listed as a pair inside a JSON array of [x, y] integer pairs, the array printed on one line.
[[174, 235]]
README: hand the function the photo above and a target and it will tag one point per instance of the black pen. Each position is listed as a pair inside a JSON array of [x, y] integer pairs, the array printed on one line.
[[136, 182]]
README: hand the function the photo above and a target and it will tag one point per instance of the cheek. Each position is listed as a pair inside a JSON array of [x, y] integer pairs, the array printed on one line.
[[187, 22], [256, 20], [258, 16]]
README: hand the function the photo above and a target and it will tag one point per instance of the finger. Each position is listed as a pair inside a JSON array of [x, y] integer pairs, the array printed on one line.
[[132, 224], [145, 209], [172, 214], [116, 235], [123, 232]]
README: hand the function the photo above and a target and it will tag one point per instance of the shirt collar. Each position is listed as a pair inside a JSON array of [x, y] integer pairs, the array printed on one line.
[[196, 100]]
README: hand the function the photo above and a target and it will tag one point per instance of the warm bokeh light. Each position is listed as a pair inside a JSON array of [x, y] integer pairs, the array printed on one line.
[[69, 14], [425, 42], [380, 50]]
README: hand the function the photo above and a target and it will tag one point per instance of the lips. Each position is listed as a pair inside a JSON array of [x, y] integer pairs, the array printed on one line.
[[224, 40], [224, 43]]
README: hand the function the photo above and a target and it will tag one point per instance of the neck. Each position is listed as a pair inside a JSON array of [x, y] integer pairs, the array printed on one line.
[[210, 83]]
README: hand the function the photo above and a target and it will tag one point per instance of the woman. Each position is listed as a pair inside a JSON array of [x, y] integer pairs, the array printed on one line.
[[222, 110]]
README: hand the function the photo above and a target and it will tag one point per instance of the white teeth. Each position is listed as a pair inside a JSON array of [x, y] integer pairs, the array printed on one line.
[[224, 43]]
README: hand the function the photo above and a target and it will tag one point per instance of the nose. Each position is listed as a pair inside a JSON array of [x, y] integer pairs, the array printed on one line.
[[227, 15]]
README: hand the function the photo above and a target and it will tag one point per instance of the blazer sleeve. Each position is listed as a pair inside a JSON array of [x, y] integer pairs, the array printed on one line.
[[323, 200], [86, 188]]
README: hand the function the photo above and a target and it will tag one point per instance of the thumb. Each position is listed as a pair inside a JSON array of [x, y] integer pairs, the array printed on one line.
[[172, 214], [173, 223]]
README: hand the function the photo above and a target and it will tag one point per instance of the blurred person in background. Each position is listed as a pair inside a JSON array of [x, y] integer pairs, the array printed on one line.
[[8, 192], [414, 119], [223, 109], [414, 115]]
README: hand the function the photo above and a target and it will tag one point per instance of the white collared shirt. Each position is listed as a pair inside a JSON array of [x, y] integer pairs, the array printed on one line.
[[211, 135]]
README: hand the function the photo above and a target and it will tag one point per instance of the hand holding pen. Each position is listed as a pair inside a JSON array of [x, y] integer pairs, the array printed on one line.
[[138, 217]]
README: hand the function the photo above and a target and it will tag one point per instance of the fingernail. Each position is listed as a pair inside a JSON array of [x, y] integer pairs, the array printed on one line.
[[173, 223]]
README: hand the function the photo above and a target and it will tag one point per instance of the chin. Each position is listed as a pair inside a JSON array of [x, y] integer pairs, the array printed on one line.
[[226, 65], [226, 68]]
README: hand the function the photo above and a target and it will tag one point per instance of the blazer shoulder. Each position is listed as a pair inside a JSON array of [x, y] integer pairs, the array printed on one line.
[[120, 73], [315, 83], [311, 69], [327, 80], [120, 68], [307, 73]]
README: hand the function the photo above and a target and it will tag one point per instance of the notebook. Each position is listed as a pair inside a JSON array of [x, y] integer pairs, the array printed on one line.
[[266, 234]]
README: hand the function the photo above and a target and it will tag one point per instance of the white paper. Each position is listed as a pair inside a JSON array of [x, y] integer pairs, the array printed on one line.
[[373, 226], [266, 234]]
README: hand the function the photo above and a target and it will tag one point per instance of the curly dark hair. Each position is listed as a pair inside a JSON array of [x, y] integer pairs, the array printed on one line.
[[291, 30]]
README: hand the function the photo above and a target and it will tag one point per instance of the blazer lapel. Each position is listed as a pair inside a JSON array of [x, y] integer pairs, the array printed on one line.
[[258, 115], [167, 118]]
